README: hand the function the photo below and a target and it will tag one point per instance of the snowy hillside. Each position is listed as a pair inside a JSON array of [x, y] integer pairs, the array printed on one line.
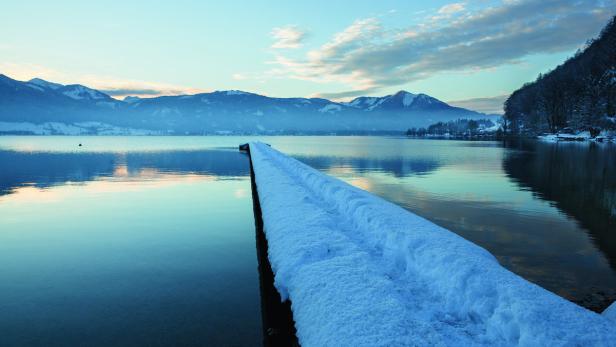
[[38, 101]]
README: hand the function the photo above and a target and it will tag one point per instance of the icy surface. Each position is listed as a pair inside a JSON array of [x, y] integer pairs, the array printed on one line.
[[361, 271]]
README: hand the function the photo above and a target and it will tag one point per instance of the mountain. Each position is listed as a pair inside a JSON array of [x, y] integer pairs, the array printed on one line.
[[403, 101], [578, 95], [39, 106], [44, 84]]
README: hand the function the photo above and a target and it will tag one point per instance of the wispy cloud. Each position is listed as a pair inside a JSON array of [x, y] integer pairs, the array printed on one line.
[[451, 8], [492, 104], [119, 88], [367, 57], [288, 37], [116, 87], [27, 71]]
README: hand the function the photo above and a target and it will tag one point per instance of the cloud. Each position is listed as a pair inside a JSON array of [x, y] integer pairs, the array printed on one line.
[[492, 104], [451, 8], [288, 37], [27, 71], [366, 57], [116, 87], [120, 88]]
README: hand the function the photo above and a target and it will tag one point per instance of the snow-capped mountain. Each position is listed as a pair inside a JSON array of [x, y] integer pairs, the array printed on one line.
[[38, 102], [79, 92], [402, 100], [44, 84]]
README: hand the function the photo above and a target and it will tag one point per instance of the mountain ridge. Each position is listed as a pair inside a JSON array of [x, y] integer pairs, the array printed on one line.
[[38, 101]]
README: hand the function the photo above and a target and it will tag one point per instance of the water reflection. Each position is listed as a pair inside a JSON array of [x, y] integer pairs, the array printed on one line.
[[397, 166], [546, 211], [131, 248], [580, 179], [46, 169]]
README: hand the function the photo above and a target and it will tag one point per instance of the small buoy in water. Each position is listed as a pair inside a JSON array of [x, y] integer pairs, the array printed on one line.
[[80, 145]]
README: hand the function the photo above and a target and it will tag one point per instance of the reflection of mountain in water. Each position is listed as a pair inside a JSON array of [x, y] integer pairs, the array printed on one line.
[[397, 166], [43, 169], [579, 179]]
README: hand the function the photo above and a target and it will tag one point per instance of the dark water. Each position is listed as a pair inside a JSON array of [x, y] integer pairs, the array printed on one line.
[[148, 241], [126, 247]]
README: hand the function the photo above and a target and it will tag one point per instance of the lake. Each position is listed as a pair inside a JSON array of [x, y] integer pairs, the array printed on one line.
[[151, 240]]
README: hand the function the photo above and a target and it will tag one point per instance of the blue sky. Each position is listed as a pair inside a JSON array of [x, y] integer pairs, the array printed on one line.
[[477, 50]]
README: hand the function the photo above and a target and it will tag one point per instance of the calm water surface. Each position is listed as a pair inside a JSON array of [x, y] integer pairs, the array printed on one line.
[[150, 240]]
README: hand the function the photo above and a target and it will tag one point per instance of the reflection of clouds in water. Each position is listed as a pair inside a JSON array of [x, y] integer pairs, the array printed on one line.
[[361, 182], [153, 180], [46, 169], [29, 194], [396, 166], [341, 170], [526, 234], [120, 171], [240, 193]]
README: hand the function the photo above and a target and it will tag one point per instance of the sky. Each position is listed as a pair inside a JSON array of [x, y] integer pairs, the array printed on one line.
[[471, 53]]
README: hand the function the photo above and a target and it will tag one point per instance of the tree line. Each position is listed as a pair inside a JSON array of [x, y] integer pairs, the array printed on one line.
[[579, 95], [456, 128]]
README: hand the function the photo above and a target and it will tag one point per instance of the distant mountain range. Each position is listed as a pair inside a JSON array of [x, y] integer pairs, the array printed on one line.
[[41, 107]]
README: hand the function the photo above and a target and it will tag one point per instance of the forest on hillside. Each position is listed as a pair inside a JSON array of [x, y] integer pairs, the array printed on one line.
[[579, 95], [458, 128]]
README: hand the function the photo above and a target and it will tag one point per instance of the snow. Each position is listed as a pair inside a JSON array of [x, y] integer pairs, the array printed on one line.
[[610, 312], [493, 128], [360, 271], [377, 103], [48, 128], [45, 84], [408, 99], [330, 108], [425, 98], [604, 136], [366, 101], [78, 92], [236, 92], [80, 128], [132, 99], [371, 101], [34, 86]]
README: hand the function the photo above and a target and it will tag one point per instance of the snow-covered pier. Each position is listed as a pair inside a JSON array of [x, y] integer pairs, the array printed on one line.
[[361, 271]]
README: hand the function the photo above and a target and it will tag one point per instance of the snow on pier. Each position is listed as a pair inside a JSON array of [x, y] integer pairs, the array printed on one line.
[[361, 271]]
